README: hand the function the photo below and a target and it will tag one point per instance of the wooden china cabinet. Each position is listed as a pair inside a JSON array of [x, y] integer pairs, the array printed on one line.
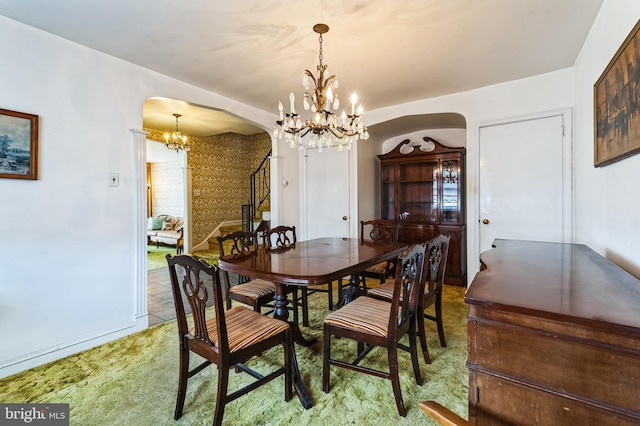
[[424, 190]]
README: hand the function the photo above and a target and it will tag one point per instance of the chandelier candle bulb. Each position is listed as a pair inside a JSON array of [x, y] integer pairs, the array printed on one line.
[[354, 99]]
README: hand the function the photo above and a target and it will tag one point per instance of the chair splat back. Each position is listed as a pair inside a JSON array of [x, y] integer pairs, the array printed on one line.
[[280, 237], [437, 249], [380, 230], [405, 297], [191, 284], [239, 243]]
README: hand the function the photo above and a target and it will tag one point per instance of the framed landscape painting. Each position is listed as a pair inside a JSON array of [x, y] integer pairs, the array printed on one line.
[[18, 145], [617, 104]]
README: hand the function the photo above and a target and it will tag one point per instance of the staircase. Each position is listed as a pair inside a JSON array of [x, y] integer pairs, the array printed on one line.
[[255, 215], [212, 254]]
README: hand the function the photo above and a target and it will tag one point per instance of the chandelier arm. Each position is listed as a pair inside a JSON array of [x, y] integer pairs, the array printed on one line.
[[309, 74], [329, 80]]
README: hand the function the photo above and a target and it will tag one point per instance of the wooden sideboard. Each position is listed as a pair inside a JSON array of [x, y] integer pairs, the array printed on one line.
[[553, 338]]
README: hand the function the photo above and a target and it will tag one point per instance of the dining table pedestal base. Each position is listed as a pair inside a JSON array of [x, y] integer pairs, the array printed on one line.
[[281, 312]]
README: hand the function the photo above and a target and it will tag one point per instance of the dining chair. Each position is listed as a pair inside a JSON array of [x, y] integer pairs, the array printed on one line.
[[227, 339], [373, 322], [253, 292], [282, 238], [379, 231], [432, 280]]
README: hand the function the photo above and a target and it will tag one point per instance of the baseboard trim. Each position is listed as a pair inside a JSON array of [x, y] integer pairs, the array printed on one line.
[[54, 353]]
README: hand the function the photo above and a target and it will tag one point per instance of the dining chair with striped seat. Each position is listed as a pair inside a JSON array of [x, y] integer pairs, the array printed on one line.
[[379, 231], [253, 292], [227, 339], [377, 323], [281, 238], [433, 279]]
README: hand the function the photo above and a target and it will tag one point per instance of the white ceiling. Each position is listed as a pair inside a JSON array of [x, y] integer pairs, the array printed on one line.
[[255, 51]]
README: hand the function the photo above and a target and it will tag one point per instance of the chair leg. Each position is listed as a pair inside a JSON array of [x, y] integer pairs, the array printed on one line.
[[395, 379], [326, 353], [221, 398], [182, 381], [305, 308], [288, 376], [423, 336], [443, 340], [294, 303], [413, 346]]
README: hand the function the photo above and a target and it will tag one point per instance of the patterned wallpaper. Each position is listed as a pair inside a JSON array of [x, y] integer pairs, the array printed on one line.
[[167, 187], [220, 168]]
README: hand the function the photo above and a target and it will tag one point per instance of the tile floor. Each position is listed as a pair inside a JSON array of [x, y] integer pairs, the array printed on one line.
[[160, 299]]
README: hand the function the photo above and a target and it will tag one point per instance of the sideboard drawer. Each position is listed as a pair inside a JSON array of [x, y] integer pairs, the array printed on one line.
[[581, 368], [502, 402]]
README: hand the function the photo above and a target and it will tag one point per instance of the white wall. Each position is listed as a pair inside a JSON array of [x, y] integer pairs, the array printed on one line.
[[607, 199], [68, 258]]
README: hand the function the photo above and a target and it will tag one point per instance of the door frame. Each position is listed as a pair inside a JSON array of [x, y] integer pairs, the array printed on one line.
[[473, 181], [139, 139]]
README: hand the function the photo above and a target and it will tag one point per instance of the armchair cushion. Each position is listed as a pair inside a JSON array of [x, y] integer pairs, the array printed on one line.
[[157, 222]]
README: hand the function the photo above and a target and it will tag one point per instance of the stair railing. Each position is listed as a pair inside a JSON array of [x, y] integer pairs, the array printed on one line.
[[260, 182]]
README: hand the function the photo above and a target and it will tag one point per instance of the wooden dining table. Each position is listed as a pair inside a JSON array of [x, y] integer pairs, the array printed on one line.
[[311, 262]]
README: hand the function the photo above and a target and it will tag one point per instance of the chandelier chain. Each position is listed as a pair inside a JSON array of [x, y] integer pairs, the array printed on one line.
[[320, 55]]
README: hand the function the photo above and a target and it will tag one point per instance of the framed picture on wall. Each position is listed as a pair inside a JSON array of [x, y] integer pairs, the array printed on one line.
[[617, 104], [18, 145]]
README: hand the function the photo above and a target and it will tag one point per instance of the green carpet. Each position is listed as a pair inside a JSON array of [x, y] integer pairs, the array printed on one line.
[[156, 256], [133, 381]]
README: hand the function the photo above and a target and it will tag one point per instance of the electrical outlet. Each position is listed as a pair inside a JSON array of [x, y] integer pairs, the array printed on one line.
[[114, 179]]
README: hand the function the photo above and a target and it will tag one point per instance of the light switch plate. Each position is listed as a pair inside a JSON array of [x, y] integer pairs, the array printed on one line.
[[114, 179]]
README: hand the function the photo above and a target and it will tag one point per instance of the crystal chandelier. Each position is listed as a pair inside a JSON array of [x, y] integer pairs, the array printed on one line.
[[175, 140], [324, 127]]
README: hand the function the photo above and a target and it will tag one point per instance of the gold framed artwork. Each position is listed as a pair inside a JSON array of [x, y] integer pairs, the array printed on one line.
[[18, 145], [617, 104]]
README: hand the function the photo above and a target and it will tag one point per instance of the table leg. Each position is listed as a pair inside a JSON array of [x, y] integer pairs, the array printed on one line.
[[281, 312], [352, 290]]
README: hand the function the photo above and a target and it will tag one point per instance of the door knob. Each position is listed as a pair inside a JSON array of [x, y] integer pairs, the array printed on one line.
[[344, 218], [485, 221]]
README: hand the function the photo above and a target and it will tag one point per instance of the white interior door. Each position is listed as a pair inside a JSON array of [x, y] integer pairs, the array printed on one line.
[[326, 193], [524, 183]]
